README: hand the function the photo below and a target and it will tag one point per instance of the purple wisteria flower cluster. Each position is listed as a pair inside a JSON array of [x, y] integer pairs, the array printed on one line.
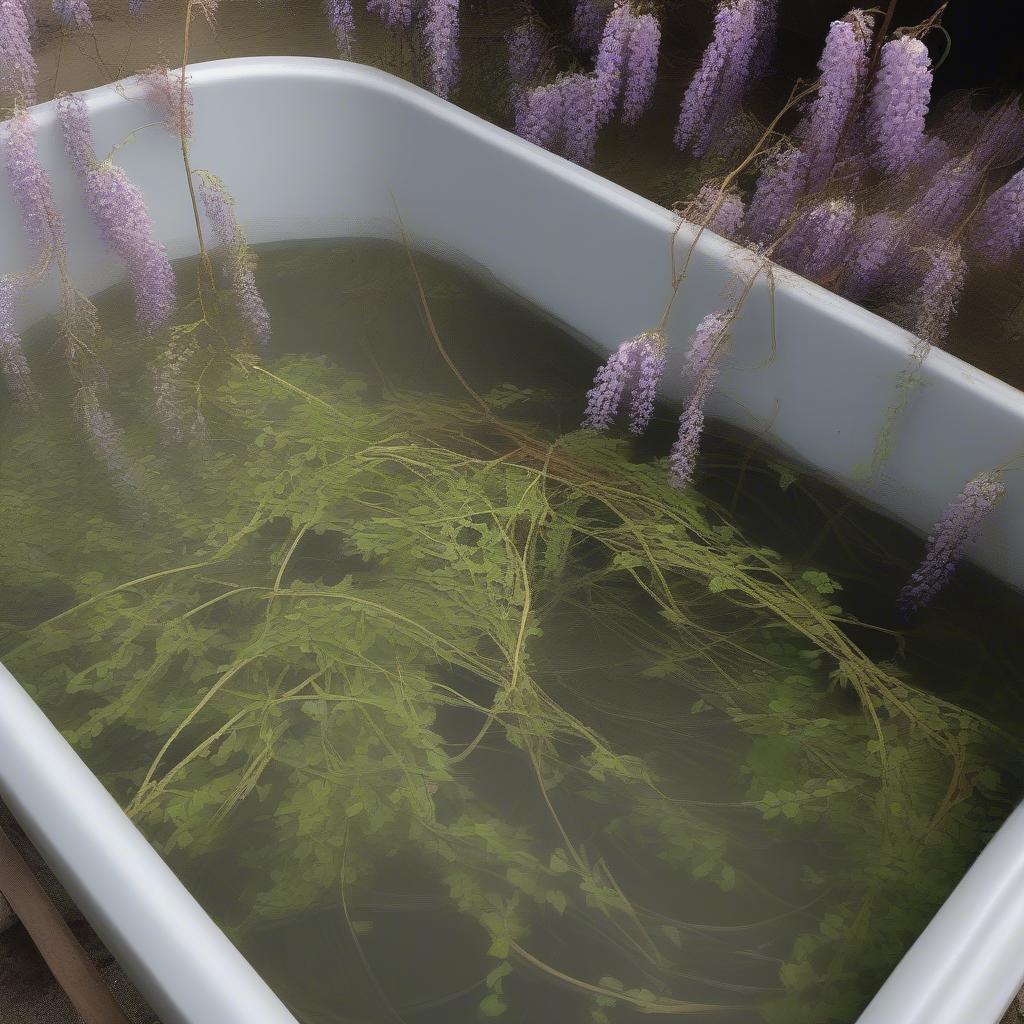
[[13, 364], [73, 14], [561, 116], [342, 23], [17, 64], [953, 534], [633, 371], [120, 211], [239, 263], [162, 88]]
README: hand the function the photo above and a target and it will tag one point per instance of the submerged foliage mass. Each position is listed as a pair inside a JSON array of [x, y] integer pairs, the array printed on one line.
[[361, 626]]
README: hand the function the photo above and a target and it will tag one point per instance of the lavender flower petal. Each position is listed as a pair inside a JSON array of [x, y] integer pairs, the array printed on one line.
[[162, 89], [343, 25], [705, 346], [899, 103], [939, 293], [955, 531], [843, 66], [641, 68], [998, 232], [441, 36], [239, 261], [634, 369], [587, 25], [31, 187], [819, 239], [609, 68], [877, 241], [13, 363], [74, 14], [17, 65]]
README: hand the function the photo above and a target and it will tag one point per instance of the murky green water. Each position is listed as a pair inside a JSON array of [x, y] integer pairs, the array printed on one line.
[[446, 710]]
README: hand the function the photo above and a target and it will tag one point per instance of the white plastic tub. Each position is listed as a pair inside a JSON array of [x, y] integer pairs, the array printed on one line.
[[317, 148]]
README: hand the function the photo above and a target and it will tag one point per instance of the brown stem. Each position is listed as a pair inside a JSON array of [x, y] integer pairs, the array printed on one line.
[[876, 50]]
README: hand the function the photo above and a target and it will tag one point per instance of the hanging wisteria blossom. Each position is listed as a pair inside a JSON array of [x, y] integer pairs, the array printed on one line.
[[953, 534], [238, 259], [641, 67], [441, 37], [899, 103], [120, 211], [998, 232], [936, 299], [819, 239], [17, 64], [394, 13], [702, 354], [843, 67], [13, 364], [779, 188], [561, 117], [526, 43], [343, 25], [724, 76], [74, 14], [588, 18], [32, 190], [876, 243], [632, 371], [163, 90], [721, 212]]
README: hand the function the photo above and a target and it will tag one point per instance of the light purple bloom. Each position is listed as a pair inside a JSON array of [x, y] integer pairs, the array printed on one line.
[[162, 89], [899, 103], [702, 355], [634, 369], [1000, 140], [31, 187], [877, 241], [726, 72], [948, 197], [727, 219], [958, 528], [939, 293], [998, 232], [343, 25], [641, 67], [106, 440], [561, 117], [818, 241], [526, 44], [17, 65], [73, 13], [13, 364], [120, 211], [778, 189], [239, 261], [394, 13], [843, 66], [610, 66], [588, 20], [441, 35]]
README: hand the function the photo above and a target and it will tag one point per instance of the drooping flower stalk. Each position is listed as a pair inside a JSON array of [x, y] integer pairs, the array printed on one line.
[[588, 20], [120, 211], [997, 233], [819, 239], [877, 241], [394, 13], [702, 355], [727, 219], [610, 65], [724, 76], [778, 189], [843, 66], [955, 531], [898, 104], [939, 293], [948, 197], [73, 14], [239, 262], [641, 68], [526, 44], [17, 64], [561, 117], [162, 88], [342, 23], [13, 363], [31, 187], [441, 36], [633, 370]]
